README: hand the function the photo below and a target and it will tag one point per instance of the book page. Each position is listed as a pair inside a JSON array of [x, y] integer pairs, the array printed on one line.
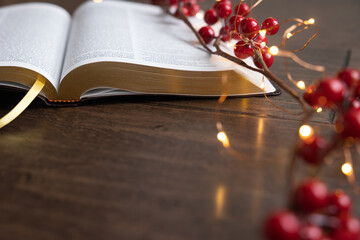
[[33, 36], [133, 33], [123, 31]]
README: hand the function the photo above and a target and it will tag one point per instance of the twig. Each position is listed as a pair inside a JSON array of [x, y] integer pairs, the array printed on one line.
[[265, 71], [291, 170]]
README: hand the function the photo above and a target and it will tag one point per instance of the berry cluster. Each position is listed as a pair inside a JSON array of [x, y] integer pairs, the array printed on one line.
[[318, 215], [190, 7], [245, 30], [342, 94], [331, 91], [315, 212]]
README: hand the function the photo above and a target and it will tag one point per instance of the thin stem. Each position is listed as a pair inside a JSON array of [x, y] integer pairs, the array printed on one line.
[[291, 171], [258, 56], [188, 23], [267, 73]]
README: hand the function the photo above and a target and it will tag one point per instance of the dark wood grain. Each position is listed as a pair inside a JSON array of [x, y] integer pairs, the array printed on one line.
[[151, 167]]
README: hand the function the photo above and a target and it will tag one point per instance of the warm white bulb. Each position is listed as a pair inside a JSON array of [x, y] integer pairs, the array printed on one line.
[[300, 84], [262, 32], [347, 169], [230, 44], [306, 132], [200, 15], [310, 21], [289, 35], [274, 50]]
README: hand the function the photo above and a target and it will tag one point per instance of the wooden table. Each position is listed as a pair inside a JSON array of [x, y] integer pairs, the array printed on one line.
[[151, 167]]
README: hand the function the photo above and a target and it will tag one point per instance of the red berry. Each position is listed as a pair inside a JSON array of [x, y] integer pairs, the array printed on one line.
[[185, 11], [193, 8], [249, 27], [224, 9], [242, 9], [235, 35], [217, 2], [282, 225], [349, 229], [234, 22], [207, 34], [311, 96], [173, 2], [331, 91], [350, 76], [271, 25], [349, 125], [211, 17], [225, 34], [313, 150], [339, 203], [311, 232], [357, 91], [311, 195], [268, 59], [354, 103], [243, 50]]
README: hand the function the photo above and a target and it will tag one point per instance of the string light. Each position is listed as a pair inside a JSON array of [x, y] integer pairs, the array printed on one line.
[[309, 22], [274, 50], [319, 110], [200, 15], [306, 132], [222, 137], [289, 35], [347, 169], [230, 44], [262, 32], [301, 84]]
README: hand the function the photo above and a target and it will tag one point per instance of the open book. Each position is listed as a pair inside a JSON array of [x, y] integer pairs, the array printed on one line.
[[113, 48]]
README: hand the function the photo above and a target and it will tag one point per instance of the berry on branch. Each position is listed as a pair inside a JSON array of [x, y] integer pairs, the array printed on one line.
[[313, 150], [310, 196], [271, 25], [282, 225], [225, 34], [242, 9], [339, 204], [207, 34], [311, 232], [349, 229], [350, 76], [224, 9], [249, 27], [268, 60], [210, 17], [234, 22], [243, 50]]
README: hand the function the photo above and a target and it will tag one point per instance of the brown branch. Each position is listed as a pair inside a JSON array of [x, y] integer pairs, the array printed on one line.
[[265, 71], [188, 23], [291, 170]]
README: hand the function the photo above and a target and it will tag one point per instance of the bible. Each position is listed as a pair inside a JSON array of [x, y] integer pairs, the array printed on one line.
[[113, 48]]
